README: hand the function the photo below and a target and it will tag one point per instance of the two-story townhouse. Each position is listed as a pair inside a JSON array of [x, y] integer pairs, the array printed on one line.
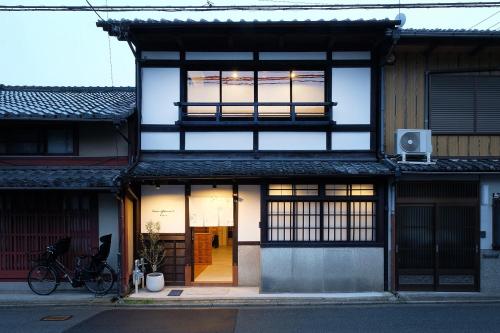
[[446, 221], [62, 150], [259, 150]]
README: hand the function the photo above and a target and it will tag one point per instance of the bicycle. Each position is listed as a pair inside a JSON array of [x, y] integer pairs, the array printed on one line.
[[96, 275]]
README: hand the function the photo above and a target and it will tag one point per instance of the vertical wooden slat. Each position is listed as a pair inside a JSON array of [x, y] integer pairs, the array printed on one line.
[[453, 146], [474, 146]]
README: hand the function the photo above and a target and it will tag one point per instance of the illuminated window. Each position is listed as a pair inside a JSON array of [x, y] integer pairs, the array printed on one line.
[[307, 216]]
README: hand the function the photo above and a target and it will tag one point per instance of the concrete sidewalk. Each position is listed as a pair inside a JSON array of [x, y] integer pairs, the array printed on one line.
[[19, 294], [250, 296]]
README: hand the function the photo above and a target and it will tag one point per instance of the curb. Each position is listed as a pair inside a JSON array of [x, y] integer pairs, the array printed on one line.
[[254, 302]]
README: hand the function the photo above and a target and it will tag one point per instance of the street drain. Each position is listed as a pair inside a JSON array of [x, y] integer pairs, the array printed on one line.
[[56, 318], [175, 292]]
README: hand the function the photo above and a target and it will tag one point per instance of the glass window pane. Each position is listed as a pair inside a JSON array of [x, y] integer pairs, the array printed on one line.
[[274, 86], [280, 189], [237, 87], [362, 189], [308, 86], [60, 141], [306, 189], [337, 189], [24, 141], [203, 86]]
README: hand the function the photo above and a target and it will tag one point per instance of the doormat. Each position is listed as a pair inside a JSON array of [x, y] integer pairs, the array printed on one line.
[[56, 318], [175, 292]]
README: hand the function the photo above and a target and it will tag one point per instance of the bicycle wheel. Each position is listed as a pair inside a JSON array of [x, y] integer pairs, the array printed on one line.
[[100, 280], [42, 280]]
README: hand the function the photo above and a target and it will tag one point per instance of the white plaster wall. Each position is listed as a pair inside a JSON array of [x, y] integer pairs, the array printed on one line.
[[351, 89], [292, 141], [351, 55], [160, 90], [492, 184], [165, 205], [108, 224], [292, 55], [219, 140], [219, 56], [351, 141], [160, 141], [99, 140], [248, 213]]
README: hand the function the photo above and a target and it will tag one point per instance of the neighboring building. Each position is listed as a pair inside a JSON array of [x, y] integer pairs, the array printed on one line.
[[241, 144], [445, 230], [62, 151]]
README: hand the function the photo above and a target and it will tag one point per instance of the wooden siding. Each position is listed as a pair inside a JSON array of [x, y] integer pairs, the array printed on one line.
[[30, 221], [405, 98]]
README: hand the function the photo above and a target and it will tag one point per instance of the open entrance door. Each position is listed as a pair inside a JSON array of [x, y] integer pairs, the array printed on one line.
[[211, 219]]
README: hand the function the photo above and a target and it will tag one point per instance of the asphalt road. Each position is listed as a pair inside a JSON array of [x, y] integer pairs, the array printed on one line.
[[343, 318]]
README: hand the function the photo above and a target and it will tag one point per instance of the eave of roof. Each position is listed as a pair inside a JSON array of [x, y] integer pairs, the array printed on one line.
[[60, 177], [154, 169], [447, 33], [450, 166]]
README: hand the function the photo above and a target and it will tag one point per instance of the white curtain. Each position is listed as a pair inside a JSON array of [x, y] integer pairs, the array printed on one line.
[[211, 207]]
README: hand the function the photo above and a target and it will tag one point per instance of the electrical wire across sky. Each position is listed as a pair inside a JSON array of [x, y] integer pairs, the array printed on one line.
[[210, 7]]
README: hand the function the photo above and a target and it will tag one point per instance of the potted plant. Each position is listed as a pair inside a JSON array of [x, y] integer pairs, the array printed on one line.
[[154, 253]]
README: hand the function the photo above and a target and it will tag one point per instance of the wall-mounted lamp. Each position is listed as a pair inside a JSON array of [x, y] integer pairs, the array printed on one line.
[[157, 185], [214, 186]]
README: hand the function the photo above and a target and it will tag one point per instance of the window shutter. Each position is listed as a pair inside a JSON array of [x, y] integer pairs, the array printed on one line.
[[451, 103], [488, 104]]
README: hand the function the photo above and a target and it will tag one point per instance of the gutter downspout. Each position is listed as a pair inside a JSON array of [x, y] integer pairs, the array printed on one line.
[[121, 230]]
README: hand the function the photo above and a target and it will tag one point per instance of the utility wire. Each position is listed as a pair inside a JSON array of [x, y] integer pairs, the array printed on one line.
[[110, 56], [416, 5], [494, 25], [92, 8], [475, 25]]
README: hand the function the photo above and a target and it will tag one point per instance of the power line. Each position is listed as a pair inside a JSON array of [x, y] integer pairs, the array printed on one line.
[[494, 25], [92, 8], [417, 5], [475, 25]]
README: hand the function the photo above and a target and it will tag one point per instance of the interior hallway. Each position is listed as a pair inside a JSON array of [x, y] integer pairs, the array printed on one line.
[[221, 269]]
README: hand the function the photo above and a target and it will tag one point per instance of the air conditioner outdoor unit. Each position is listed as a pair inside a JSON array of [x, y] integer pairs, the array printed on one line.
[[414, 142]]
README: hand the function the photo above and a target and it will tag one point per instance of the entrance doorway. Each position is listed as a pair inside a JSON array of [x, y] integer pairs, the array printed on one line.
[[437, 238], [213, 254], [212, 226]]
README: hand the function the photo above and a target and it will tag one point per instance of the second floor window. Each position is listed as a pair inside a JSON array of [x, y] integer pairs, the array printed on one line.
[[274, 91], [32, 140], [464, 103]]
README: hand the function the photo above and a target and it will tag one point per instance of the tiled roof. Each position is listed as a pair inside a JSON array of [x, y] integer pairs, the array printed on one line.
[[22, 102], [229, 21], [452, 166], [255, 168], [59, 177], [466, 33]]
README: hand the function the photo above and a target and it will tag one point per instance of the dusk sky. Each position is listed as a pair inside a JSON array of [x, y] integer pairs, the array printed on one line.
[[67, 49]]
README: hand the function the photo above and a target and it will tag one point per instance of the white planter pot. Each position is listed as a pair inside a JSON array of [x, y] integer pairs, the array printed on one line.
[[155, 281]]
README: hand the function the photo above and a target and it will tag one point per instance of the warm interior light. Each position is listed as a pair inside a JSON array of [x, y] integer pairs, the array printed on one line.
[[235, 75], [157, 186], [292, 75]]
